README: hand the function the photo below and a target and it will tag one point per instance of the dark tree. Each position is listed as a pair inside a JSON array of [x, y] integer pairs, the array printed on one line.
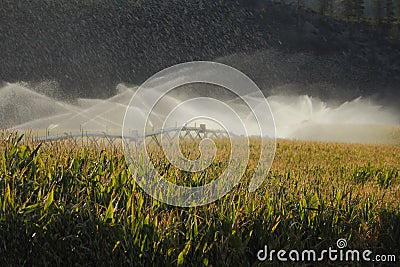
[[377, 10], [325, 7], [353, 8], [396, 6], [389, 9]]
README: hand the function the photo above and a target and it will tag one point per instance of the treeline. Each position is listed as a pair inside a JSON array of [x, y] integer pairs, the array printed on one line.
[[375, 10]]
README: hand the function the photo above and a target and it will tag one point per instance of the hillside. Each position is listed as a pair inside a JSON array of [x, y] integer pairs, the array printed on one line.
[[90, 46]]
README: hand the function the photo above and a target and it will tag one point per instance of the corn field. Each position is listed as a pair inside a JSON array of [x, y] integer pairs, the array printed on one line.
[[77, 205]]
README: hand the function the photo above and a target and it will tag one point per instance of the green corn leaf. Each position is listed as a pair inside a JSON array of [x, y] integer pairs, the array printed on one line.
[[109, 212], [49, 199], [182, 255]]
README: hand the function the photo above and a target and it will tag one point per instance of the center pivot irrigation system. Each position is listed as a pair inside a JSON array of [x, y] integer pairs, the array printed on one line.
[[97, 138]]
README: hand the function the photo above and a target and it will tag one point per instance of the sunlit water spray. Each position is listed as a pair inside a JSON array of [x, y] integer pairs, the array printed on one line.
[[296, 117]]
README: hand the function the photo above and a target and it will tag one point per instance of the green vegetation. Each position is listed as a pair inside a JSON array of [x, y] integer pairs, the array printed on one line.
[[66, 205]]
